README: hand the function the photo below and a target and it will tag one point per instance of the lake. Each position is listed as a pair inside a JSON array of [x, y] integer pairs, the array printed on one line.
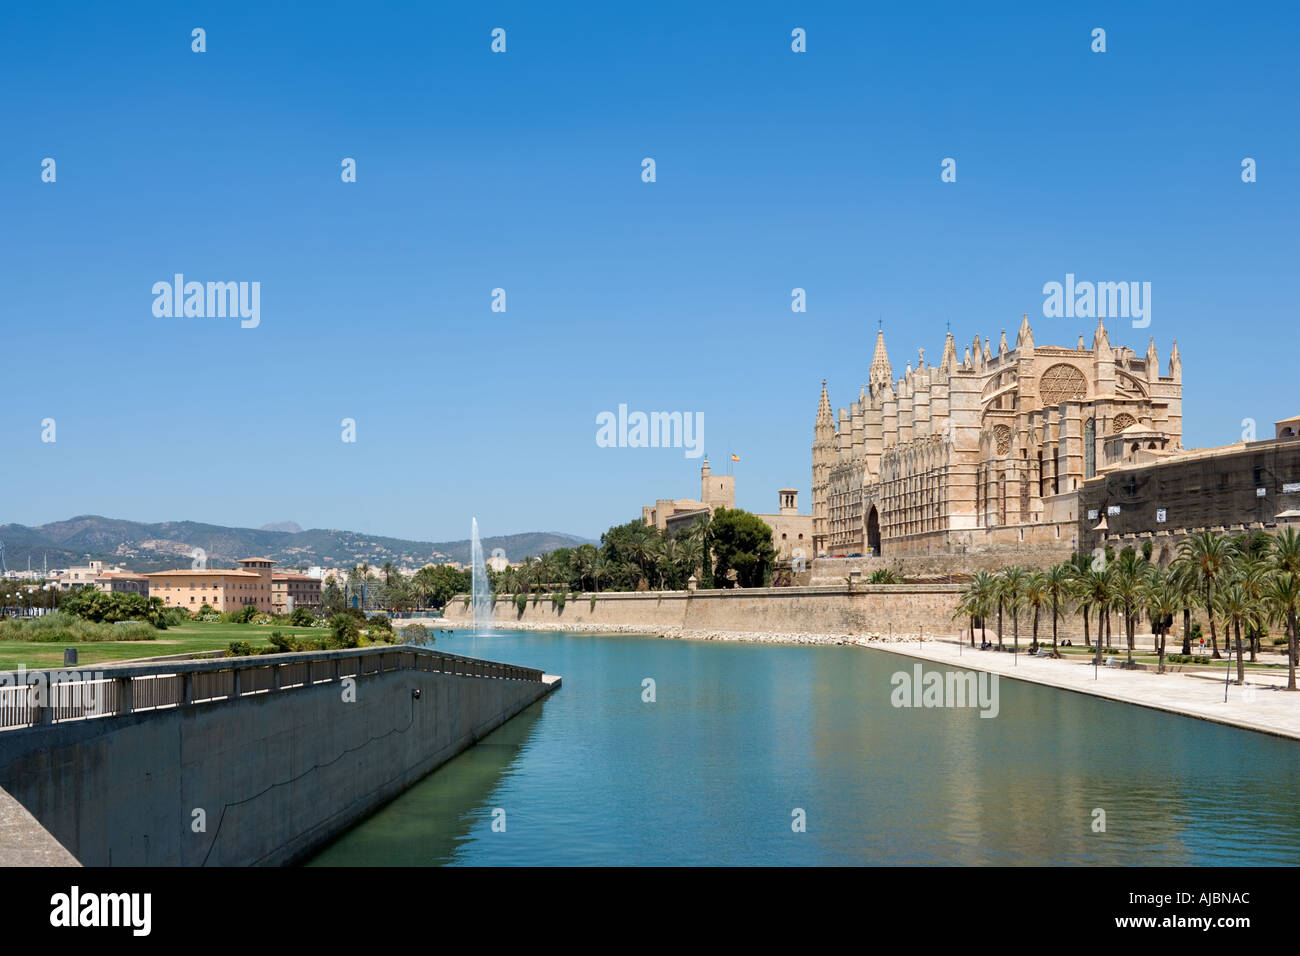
[[741, 736]]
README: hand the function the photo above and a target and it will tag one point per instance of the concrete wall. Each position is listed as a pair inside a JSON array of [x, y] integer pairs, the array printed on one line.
[[277, 774]]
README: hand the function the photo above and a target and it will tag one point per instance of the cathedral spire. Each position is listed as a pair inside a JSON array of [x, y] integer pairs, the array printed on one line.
[[1175, 364], [1153, 361], [1002, 345], [881, 373], [1101, 342], [824, 416], [1025, 337], [949, 361]]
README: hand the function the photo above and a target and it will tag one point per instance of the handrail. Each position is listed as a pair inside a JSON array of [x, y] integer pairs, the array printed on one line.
[[56, 695]]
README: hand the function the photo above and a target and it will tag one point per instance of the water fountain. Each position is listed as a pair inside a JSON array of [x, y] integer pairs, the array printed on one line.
[[481, 598]]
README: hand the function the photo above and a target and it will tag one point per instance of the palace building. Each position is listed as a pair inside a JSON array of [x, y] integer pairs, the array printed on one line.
[[987, 451]]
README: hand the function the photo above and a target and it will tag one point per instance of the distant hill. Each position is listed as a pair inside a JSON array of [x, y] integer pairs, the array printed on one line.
[[169, 544], [291, 526]]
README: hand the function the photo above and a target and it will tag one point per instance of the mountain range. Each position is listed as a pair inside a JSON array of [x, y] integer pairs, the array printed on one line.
[[170, 544]]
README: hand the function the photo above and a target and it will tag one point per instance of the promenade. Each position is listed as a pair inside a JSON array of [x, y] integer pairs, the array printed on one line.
[[1261, 704]]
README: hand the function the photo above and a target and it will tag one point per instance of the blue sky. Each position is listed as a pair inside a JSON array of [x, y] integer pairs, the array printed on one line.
[[522, 170]]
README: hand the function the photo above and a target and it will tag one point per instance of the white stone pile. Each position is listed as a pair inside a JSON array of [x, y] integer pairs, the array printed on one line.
[[675, 632]]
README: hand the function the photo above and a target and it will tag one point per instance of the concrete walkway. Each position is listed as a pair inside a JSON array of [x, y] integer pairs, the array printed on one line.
[[1262, 707]]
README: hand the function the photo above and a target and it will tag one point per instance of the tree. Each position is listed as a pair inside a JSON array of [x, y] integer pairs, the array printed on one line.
[[1237, 607], [1283, 596], [984, 588], [345, 630], [1015, 580], [741, 542], [440, 583], [1126, 588], [1160, 593], [332, 599], [1056, 585], [1209, 554], [1036, 597]]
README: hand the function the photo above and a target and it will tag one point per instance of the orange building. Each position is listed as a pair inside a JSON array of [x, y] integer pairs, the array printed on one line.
[[223, 590], [292, 591]]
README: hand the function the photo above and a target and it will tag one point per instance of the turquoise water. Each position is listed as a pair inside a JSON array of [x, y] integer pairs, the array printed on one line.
[[742, 735]]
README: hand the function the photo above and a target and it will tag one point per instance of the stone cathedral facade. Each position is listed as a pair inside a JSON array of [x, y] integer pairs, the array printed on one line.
[[986, 451]]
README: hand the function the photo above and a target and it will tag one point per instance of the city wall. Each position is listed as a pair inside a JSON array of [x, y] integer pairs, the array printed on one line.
[[857, 609]]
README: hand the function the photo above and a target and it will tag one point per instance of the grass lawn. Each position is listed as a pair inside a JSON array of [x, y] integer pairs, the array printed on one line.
[[1149, 657], [195, 636]]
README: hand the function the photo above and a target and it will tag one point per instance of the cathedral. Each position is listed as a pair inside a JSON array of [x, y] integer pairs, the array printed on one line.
[[988, 451]]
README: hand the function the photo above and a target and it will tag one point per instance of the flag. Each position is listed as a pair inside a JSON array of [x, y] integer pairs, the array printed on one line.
[[735, 457]]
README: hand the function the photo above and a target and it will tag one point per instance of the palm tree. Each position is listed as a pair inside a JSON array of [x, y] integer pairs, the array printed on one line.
[[1126, 586], [1209, 554], [599, 570], [1092, 589], [1252, 571], [966, 607], [1182, 577], [1161, 595], [1036, 597], [986, 592], [1057, 586], [1283, 596], [1235, 604], [669, 557], [1015, 580], [388, 572], [977, 599]]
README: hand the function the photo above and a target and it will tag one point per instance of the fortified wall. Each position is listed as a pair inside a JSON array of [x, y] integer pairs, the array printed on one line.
[[843, 609]]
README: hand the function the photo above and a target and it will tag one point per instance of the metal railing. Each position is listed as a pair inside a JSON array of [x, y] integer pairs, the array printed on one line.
[[34, 698]]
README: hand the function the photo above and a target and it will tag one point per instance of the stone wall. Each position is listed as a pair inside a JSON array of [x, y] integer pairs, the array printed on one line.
[[901, 608], [861, 609]]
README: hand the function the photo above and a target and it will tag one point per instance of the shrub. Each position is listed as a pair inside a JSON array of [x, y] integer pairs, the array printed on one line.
[[132, 631], [884, 576], [244, 615], [344, 630], [280, 643], [240, 649], [557, 601], [521, 602], [593, 602], [301, 617], [62, 628], [379, 621], [175, 616]]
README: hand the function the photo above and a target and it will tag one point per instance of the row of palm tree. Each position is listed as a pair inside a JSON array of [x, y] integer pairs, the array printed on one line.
[[1244, 583]]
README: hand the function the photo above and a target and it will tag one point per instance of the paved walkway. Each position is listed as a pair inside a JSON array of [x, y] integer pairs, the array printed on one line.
[[1253, 706]]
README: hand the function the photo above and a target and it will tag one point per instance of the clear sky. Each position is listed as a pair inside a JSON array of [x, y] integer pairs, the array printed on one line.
[[523, 171]]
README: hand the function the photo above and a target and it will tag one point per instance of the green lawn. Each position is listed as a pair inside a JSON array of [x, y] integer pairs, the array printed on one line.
[[206, 636], [1147, 657]]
